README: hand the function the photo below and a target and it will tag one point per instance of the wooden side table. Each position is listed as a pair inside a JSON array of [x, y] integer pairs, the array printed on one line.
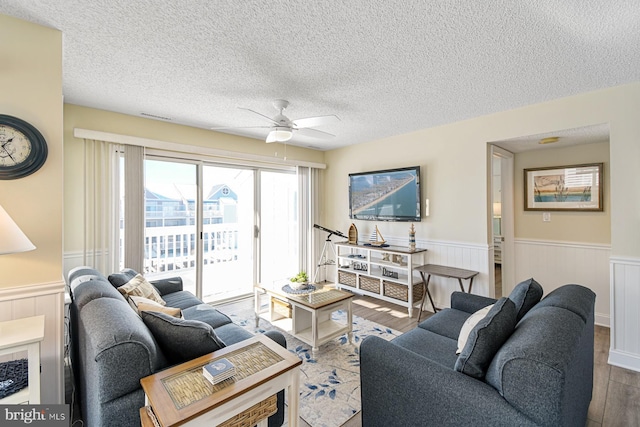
[[442, 271], [182, 396], [20, 335]]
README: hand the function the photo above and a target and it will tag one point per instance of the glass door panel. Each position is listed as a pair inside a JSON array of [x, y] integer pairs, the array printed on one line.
[[170, 221], [227, 226], [279, 251]]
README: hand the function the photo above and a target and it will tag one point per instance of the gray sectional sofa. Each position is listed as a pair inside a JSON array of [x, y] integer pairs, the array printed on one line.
[[541, 375], [112, 348]]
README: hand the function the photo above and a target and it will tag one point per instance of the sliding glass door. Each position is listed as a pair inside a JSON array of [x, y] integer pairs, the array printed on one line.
[[227, 232], [170, 220], [220, 228], [279, 223]]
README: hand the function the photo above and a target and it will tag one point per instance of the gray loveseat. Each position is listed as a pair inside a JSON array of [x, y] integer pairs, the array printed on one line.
[[112, 348], [541, 375]]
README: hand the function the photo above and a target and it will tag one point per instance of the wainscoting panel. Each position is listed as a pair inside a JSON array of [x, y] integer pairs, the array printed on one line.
[[553, 264], [455, 254], [47, 299], [625, 303]]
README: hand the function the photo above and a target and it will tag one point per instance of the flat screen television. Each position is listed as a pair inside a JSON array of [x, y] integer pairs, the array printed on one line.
[[385, 195]]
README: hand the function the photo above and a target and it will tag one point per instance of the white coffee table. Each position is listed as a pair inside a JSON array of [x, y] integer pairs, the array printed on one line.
[[310, 317]]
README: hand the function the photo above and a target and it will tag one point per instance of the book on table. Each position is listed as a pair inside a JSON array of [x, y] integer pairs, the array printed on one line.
[[218, 370]]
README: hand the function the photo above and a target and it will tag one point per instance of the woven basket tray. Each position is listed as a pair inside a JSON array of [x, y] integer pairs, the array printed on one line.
[[370, 284], [348, 279], [400, 292]]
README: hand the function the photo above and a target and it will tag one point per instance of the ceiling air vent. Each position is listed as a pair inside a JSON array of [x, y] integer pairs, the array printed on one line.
[[153, 116]]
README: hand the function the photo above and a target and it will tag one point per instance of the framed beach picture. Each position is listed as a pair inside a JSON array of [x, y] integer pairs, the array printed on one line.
[[564, 188]]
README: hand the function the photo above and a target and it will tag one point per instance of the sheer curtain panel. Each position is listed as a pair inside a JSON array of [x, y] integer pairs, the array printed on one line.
[[101, 205]]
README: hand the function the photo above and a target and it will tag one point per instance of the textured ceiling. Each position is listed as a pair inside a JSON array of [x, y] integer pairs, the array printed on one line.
[[384, 68], [566, 137]]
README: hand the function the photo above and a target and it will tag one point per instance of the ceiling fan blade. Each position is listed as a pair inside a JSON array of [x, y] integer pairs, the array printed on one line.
[[260, 114], [314, 133], [310, 122]]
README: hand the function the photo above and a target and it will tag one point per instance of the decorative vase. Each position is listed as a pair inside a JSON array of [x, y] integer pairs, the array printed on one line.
[[412, 238]]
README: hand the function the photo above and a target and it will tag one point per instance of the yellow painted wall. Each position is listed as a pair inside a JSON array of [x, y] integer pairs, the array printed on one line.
[[584, 227], [105, 121], [31, 89], [454, 162]]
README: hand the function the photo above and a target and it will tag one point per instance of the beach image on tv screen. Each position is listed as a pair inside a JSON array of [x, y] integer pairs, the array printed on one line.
[[384, 195]]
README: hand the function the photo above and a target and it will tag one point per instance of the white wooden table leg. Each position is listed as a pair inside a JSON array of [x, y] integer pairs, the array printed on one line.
[[294, 397]]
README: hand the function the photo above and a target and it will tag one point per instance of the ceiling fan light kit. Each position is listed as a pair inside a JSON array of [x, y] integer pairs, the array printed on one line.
[[282, 128], [279, 135]]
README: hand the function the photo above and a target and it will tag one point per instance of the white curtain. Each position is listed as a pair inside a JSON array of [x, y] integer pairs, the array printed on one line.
[[101, 205], [308, 206], [134, 207]]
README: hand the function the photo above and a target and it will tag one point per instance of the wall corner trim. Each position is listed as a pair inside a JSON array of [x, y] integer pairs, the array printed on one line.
[[30, 291]]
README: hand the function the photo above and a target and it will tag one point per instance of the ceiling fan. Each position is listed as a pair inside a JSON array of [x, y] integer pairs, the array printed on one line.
[[282, 128]]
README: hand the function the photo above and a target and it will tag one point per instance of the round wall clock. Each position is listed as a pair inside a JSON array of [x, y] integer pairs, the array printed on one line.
[[23, 149]]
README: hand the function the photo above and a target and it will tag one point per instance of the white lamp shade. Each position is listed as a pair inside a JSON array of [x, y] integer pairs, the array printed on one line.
[[12, 239]]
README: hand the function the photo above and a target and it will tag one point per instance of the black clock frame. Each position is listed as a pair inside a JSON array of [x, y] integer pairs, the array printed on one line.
[[37, 156]]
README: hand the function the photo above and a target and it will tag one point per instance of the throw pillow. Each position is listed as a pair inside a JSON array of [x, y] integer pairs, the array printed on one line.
[[469, 324], [525, 295], [179, 339], [486, 338], [146, 304], [140, 287], [119, 279]]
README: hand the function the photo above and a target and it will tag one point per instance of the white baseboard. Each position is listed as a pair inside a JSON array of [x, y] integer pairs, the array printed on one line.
[[624, 360], [603, 320]]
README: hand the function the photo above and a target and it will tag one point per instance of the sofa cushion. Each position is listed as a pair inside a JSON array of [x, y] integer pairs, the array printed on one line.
[[207, 314], [86, 291], [232, 333], [119, 279], [468, 326], [430, 345], [140, 287], [486, 338], [179, 339], [145, 304], [525, 295], [574, 298], [447, 322], [181, 299]]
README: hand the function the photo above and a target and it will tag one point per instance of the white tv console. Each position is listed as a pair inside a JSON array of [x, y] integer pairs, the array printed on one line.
[[381, 272]]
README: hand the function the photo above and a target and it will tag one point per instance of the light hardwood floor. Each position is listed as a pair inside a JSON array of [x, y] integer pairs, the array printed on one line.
[[616, 391]]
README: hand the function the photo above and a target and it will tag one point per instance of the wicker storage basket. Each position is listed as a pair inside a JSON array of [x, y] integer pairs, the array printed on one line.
[[280, 307], [348, 279], [400, 292], [370, 284], [253, 415]]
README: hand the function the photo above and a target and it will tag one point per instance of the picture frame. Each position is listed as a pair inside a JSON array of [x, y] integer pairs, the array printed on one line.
[[577, 188]]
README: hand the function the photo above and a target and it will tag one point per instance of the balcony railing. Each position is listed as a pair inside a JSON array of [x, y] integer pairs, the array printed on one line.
[[174, 248]]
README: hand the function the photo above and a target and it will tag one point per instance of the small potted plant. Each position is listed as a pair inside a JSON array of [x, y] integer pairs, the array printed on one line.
[[300, 281]]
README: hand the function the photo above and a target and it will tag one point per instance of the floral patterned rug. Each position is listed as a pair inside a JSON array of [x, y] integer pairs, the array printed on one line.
[[330, 381]]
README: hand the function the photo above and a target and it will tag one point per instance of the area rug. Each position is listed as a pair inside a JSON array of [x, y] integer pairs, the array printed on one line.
[[330, 381]]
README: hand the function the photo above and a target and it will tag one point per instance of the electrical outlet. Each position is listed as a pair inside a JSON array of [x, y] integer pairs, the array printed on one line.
[[426, 207], [546, 216]]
